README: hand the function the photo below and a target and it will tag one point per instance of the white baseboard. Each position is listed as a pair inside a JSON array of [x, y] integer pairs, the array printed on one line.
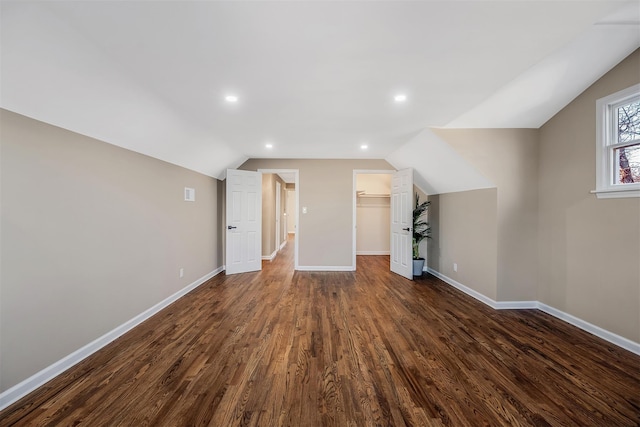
[[623, 342], [33, 382], [283, 244], [326, 268], [373, 253], [477, 295], [270, 257], [515, 305]]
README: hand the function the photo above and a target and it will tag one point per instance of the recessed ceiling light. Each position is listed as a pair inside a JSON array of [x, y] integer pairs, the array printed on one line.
[[364, 146], [268, 145], [231, 98], [401, 97]]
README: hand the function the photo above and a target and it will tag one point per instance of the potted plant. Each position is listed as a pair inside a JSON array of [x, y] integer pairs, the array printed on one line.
[[421, 231]]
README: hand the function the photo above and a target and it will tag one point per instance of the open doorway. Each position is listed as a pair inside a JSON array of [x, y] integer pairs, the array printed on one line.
[[290, 212], [279, 212], [371, 212]]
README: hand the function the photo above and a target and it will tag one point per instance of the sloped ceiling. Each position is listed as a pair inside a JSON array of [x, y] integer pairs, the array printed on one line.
[[439, 169], [314, 79], [546, 87]]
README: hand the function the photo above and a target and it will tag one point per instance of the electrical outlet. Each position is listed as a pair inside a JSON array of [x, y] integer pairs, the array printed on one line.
[[181, 272], [455, 267]]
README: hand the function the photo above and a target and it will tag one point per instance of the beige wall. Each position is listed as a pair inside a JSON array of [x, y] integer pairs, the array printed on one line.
[[555, 242], [326, 189], [269, 212], [589, 247], [92, 235], [509, 158], [464, 231], [283, 210], [374, 183], [291, 210], [221, 216]]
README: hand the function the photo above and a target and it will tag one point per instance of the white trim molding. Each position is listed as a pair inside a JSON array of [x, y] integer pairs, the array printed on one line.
[[607, 143], [477, 295], [623, 342], [616, 194], [354, 208], [515, 305], [615, 339], [270, 257], [325, 268], [25, 387], [296, 173], [373, 253]]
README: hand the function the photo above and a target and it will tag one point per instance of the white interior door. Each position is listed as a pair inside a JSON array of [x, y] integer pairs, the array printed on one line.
[[402, 223], [244, 221]]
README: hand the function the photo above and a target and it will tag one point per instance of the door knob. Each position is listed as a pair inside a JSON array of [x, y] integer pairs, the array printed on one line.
[[407, 229], [231, 227]]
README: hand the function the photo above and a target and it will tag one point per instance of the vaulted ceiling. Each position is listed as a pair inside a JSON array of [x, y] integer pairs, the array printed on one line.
[[314, 79]]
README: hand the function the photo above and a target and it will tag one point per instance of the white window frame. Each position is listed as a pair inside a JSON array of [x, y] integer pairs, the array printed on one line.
[[606, 144]]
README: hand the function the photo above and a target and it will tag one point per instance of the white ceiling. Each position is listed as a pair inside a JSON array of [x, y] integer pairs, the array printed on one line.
[[315, 79]]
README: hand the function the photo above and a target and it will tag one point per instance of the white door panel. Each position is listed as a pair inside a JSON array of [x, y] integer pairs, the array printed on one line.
[[244, 221], [402, 223]]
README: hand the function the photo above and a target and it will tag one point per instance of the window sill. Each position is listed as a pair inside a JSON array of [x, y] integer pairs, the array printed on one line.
[[616, 193]]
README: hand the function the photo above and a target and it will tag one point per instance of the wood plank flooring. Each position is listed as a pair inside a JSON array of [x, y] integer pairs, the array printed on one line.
[[365, 348]]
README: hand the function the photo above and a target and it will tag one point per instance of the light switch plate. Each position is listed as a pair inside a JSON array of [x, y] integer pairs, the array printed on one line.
[[189, 194]]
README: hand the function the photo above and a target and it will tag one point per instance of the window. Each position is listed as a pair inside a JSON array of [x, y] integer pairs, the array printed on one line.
[[618, 144]]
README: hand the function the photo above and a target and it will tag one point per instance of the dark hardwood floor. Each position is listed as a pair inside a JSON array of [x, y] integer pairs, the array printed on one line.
[[365, 348]]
